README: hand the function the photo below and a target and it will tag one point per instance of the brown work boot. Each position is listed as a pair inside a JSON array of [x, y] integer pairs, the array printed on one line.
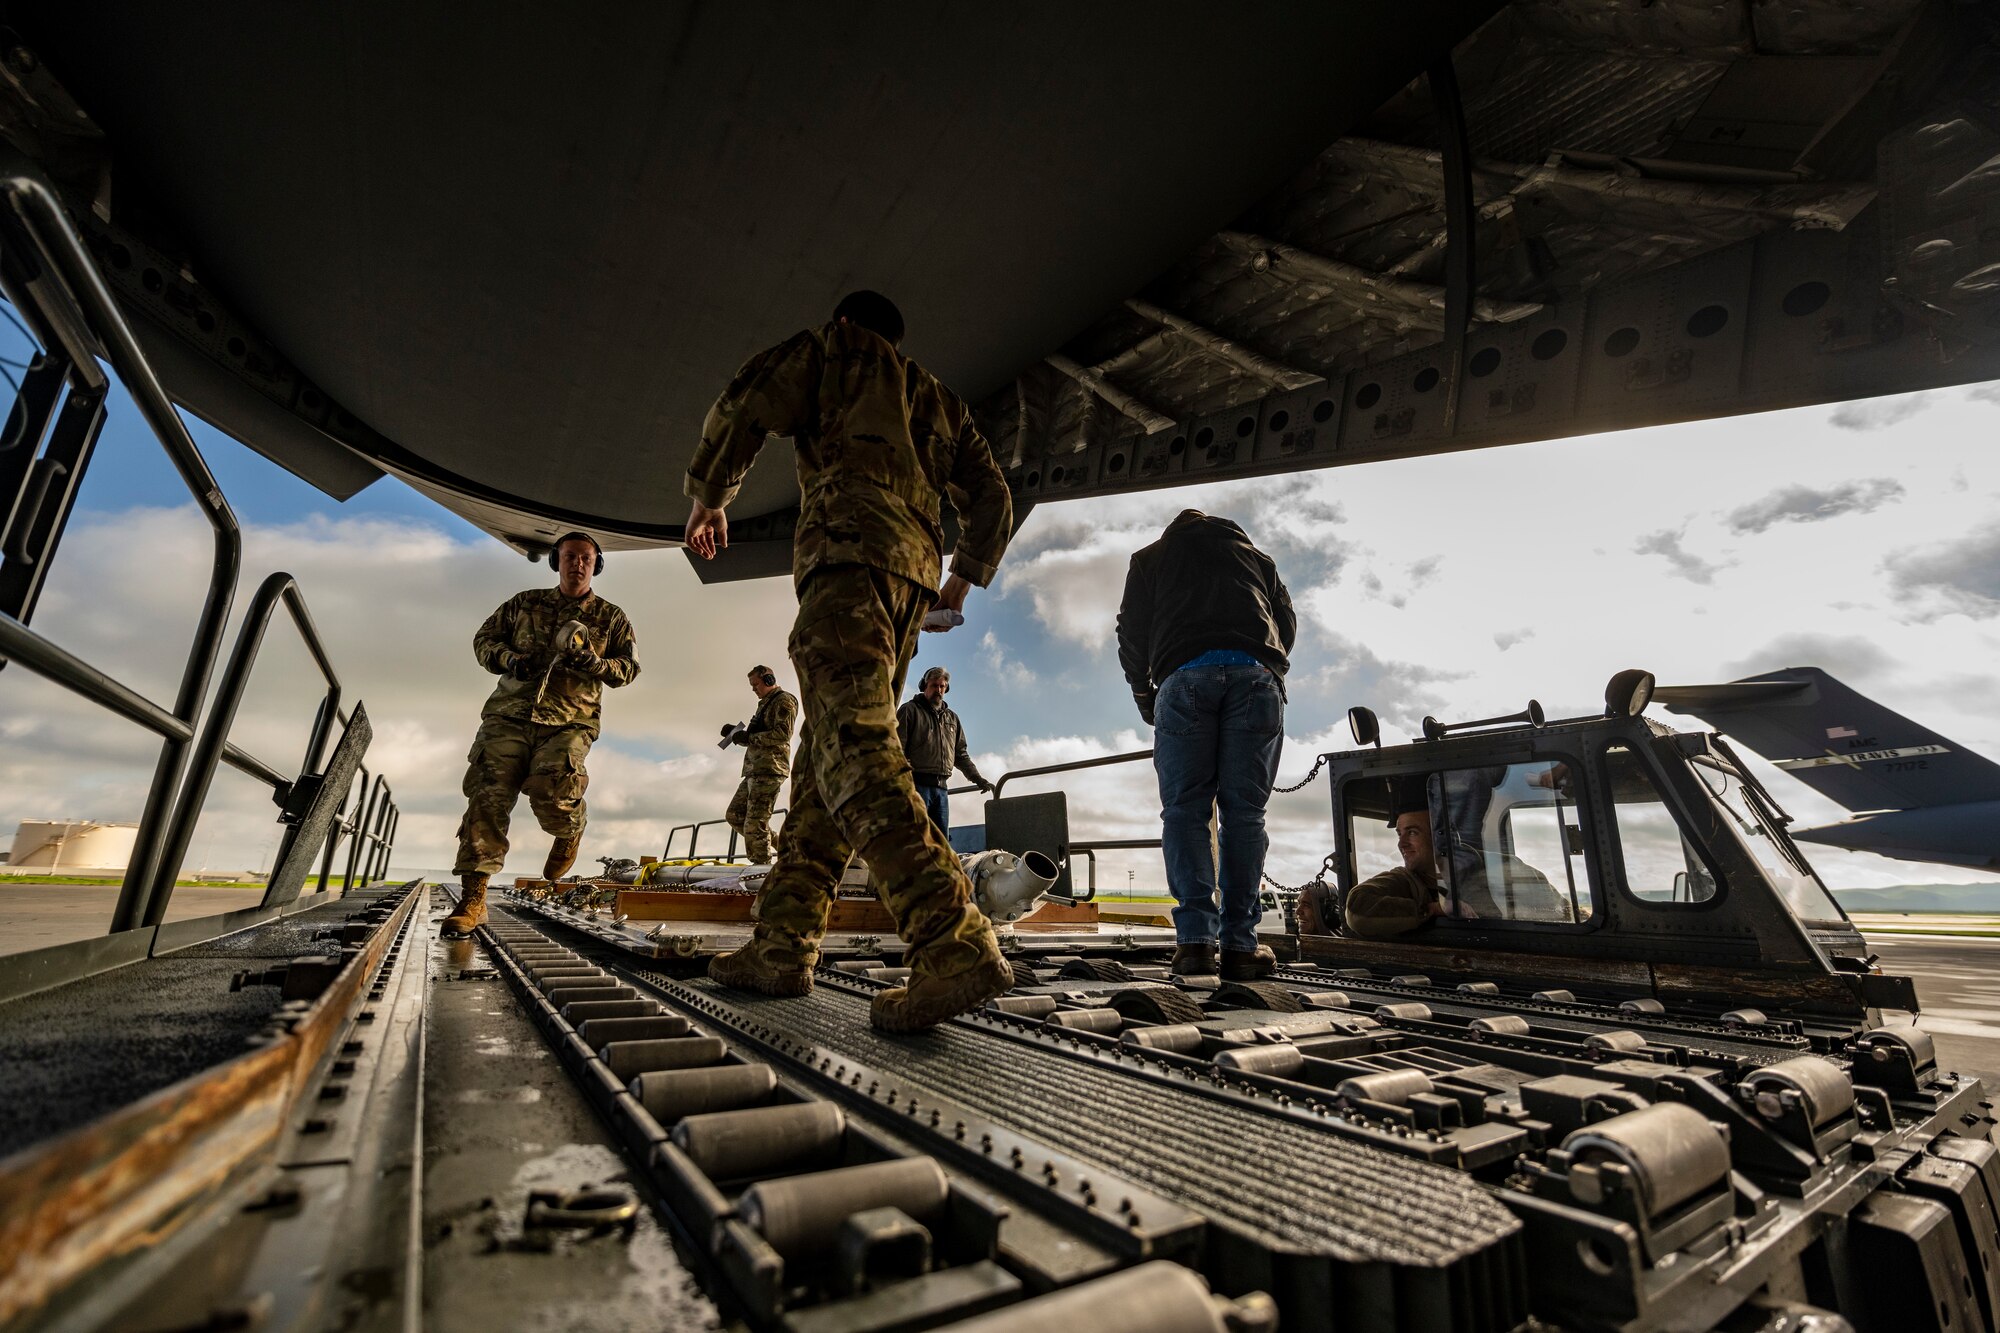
[[562, 855], [470, 912], [1194, 960], [759, 967], [926, 1000], [1248, 964]]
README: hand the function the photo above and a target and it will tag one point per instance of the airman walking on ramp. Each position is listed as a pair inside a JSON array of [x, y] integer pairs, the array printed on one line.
[[881, 446], [554, 649], [768, 738]]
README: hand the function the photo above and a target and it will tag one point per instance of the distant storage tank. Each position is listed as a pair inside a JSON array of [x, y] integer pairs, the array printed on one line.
[[76, 846]]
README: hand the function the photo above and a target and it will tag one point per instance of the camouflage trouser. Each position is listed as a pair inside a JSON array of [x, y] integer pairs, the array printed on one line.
[[750, 814], [851, 788], [511, 756]]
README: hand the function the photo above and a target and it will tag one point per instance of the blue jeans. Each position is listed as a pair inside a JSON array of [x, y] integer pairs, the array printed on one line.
[[938, 804], [1217, 731]]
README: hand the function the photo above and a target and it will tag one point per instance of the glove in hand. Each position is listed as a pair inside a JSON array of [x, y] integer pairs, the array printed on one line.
[[525, 666]]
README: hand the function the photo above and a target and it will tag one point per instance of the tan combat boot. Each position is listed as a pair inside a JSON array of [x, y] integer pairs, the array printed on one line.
[[927, 1000], [562, 855], [762, 968], [470, 913]]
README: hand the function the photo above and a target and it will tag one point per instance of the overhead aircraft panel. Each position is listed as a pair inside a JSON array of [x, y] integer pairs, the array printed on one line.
[[520, 251]]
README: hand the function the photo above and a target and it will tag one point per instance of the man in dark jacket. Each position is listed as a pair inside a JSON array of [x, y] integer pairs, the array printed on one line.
[[934, 743], [1205, 634]]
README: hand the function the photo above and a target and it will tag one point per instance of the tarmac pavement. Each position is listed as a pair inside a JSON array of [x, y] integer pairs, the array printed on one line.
[[1958, 985]]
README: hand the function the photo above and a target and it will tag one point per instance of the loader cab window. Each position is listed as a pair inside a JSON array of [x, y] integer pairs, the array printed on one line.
[[1504, 842], [1661, 865], [1510, 843], [1757, 825]]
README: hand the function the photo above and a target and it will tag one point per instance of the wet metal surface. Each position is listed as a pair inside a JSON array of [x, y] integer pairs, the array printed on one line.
[[501, 1119]]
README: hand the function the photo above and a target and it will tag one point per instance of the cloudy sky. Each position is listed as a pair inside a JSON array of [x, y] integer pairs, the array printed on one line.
[[1864, 539]]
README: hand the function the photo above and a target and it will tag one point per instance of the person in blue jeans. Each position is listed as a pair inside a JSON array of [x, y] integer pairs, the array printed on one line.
[[1205, 633]]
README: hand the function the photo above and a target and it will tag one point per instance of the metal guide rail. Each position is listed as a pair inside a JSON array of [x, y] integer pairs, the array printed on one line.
[[102, 1224], [1644, 1177]]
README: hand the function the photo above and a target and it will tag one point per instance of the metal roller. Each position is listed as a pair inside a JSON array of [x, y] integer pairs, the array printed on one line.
[[673, 1094], [1876, 1045], [1648, 1005], [1479, 987], [1745, 1018], [800, 1216], [1280, 1059], [569, 975], [1511, 1025], [1671, 1150], [1392, 1087], [1822, 1089], [1024, 1006], [1158, 1297], [564, 995], [600, 1032], [1621, 1040], [580, 1011], [1555, 997], [1407, 1009], [629, 1059], [1087, 1020], [762, 1140], [887, 974], [1182, 1037]]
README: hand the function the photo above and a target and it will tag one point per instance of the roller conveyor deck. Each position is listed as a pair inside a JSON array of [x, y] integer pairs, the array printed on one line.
[[1278, 1181]]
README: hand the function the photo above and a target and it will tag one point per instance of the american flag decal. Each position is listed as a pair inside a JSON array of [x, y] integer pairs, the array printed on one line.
[[1840, 733]]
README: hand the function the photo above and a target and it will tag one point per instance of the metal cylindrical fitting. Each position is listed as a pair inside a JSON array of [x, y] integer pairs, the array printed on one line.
[[601, 1032], [1670, 1149], [1280, 1059], [582, 1011], [1408, 1009], [1088, 1020], [571, 974], [1512, 1025], [564, 995], [629, 1059], [1822, 1089], [762, 1140], [670, 1095], [1184, 1038], [1621, 1040], [801, 1215], [1479, 987], [1158, 1297], [1647, 1005], [1392, 1087], [1025, 1006]]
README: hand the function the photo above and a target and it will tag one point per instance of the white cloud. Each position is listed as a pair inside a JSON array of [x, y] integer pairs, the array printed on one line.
[[1865, 414]]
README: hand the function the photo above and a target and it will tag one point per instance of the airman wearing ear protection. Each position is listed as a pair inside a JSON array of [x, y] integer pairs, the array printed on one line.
[[540, 720], [767, 764]]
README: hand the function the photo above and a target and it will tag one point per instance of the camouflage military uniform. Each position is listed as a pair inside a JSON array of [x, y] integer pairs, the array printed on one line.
[[880, 443], [530, 744], [765, 767]]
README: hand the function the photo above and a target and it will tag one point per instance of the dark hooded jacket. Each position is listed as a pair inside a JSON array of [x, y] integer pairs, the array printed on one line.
[[1202, 587]]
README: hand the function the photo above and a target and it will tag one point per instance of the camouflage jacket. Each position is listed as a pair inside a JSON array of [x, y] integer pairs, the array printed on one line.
[[769, 737], [520, 632], [882, 447]]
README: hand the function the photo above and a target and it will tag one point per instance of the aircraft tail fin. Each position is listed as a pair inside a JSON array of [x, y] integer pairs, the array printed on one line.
[[1838, 741]]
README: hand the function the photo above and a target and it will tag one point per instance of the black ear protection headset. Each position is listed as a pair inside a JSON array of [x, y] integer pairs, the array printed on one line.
[[767, 677], [555, 551]]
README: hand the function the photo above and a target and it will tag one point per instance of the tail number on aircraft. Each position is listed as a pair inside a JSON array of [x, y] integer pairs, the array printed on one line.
[[1908, 752]]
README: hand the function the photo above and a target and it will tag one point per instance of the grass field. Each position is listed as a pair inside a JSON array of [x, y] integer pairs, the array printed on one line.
[[1969, 925]]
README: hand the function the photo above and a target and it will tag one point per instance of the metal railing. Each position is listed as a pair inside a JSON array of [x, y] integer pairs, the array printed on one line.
[[694, 838], [48, 275]]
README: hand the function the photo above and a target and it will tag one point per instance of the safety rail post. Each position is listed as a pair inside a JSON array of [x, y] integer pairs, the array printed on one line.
[[215, 729], [81, 313], [378, 833], [343, 821], [361, 831]]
